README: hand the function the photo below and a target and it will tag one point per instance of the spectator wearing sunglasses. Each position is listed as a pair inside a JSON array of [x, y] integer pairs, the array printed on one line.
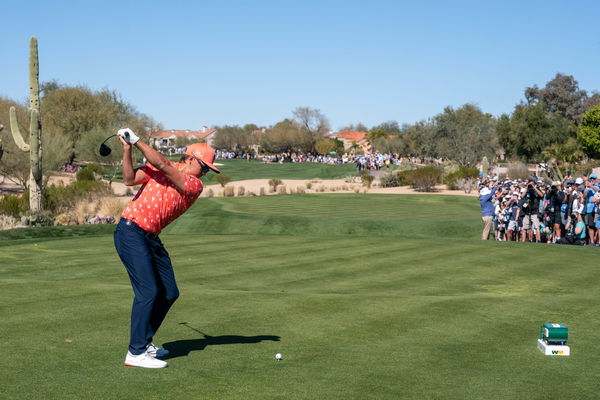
[[168, 190]]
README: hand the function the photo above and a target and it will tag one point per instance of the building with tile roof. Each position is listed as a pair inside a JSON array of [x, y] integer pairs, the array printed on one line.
[[166, 139], [348, 137]]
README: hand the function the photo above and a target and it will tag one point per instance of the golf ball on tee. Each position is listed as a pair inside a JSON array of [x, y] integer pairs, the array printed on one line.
[[278, 356]]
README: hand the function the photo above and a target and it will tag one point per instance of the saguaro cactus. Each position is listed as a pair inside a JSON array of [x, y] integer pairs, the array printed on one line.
[[35, 130], [1, 146], [485, 166]]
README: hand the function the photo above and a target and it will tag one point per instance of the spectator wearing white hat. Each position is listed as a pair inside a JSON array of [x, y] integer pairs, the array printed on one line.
[[486, 199]]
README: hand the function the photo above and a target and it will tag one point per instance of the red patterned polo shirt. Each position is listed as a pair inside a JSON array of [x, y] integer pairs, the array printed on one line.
[[158, 202]]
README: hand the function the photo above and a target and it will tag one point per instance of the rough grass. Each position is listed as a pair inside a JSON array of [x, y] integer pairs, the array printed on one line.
[[404, 306]]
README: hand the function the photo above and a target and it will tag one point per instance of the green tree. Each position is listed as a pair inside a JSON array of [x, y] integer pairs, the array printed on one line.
[[233, 138], [390, 145], [325, 146], [561, 157], [561, 95], [589, 132], [530, 129], [287, 136], [376, 134], [390, 127], [312, 120], [360, 127], [75, 111], [465, 134], [419, 139]]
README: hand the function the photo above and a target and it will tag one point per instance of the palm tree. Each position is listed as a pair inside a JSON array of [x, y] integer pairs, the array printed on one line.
[[561, 156]]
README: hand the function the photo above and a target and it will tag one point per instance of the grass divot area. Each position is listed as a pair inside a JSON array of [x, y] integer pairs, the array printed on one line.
[[412, 312]]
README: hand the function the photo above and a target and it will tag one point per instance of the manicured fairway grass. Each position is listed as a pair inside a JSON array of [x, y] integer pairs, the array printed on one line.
[[366, 296]]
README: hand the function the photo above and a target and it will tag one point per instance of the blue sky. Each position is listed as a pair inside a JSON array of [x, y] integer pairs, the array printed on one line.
[[194, 63]]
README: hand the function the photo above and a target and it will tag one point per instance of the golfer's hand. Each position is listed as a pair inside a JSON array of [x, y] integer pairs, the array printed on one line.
[[128, 135], [125, 144]]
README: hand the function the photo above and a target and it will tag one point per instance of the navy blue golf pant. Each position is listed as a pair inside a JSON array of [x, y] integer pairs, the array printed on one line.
[[151, 274]]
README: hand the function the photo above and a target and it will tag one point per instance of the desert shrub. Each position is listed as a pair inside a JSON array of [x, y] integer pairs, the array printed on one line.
[[95, 168], [43, 218], [210, 193], [518, 170], [85, 174], [109, 206], [466, 184], [8, 222], [58, 198], [273, 183], [262, 192], [228, 191], [461, 173], [281, 189], [356, 189], [403, 177], [223, 179], [366, 178], [389, 180], [451, 167], [83, 210], [308, 185], [424, 179], [65, 219], [241, 191], [99, 219], [14, 205], [300, 190], [349, 179]]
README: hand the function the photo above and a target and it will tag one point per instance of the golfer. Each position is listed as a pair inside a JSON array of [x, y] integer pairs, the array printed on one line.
[[168, 190]]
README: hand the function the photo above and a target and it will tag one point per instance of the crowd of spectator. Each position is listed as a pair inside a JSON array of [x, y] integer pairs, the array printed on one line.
[[531, 211], [369, 161]]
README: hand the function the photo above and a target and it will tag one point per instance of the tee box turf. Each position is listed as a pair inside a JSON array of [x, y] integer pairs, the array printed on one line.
[[553, 340]]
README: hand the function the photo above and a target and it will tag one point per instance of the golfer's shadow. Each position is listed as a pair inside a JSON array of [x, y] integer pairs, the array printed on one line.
[[180, 348]]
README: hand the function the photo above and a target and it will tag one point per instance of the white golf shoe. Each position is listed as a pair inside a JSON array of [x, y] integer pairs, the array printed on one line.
[[144, 360], [156, 351]]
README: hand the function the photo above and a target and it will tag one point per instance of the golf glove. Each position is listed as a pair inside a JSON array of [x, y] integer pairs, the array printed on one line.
[[128, 135]]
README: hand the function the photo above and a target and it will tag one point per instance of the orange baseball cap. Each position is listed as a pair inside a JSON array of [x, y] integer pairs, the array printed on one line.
[[204, 153]]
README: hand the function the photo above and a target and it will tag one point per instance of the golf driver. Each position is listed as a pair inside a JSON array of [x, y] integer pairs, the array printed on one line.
[[104, 149]]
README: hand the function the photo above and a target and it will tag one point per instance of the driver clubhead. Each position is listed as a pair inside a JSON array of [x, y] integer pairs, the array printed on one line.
[[104, 150]]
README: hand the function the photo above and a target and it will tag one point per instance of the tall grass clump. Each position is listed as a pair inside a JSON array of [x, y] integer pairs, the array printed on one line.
[[366, 178], [14, 205], [228, 191], [223, 179], [273, 183]]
